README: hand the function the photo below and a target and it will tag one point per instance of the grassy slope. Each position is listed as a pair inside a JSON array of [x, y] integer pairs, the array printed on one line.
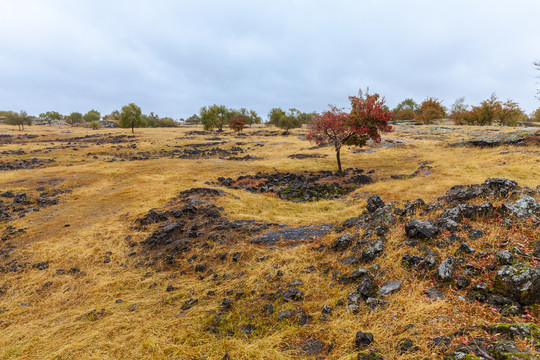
[[107, 197]]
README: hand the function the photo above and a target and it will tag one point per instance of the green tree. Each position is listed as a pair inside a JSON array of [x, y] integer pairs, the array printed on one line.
[[74, 118], [286, 121], [20, 119], [50, 116], [253, 118], [94, 125], [131, 117], [92, 115], [193, 120], [215, 116], [406, 104], [150, 121], [166, 122]]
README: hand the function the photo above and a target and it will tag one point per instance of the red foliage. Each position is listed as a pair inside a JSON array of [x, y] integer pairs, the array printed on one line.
[[237, 123], [366, 120]]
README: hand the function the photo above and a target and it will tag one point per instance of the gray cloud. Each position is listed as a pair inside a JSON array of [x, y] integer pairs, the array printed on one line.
[[173, 57]]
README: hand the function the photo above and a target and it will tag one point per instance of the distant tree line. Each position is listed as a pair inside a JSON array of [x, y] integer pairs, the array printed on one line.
[[491, 111]]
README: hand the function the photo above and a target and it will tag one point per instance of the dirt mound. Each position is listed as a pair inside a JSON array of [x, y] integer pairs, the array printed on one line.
[[192, 222], [307, 156], [6, 165], [233, 154], [300, 187]]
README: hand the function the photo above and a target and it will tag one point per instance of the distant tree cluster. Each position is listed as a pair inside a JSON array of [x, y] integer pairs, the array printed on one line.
[[491, 111], [429, 110], [217, 116], [291, 119], [19, 119]]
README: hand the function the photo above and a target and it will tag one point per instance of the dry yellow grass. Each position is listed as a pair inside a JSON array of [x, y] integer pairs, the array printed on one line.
[[53, 321]]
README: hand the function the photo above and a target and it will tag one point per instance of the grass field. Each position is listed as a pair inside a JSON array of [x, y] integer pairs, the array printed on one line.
[[54, 313]]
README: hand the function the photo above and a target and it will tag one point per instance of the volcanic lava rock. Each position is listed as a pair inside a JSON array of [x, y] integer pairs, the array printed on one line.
[[519, 283], [374, 202], [389, 287], [342, 243], [293, 294], [523, 208], [363, 339], [449, 219], [446, 269], [421, 229], [367, 288]]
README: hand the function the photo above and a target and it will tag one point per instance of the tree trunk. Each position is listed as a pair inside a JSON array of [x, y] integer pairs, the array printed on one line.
[[338, 161], [132, 128]]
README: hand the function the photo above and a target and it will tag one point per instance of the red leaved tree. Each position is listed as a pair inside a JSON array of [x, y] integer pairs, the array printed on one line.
[[366, 120], [238, 122]]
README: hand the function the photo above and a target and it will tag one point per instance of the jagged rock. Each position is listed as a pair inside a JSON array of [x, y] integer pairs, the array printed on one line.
[[327, 310], [383, 216], [412, 261], [504, 257], [449, 219], [374, 202], [372, 251], [350, 222], [374, 302], [293, 294], [355, 276], [292, 235], [189, 303], [472, 211], [312, 346], [475, 234], [406, 345], [247, 329], [268, 309], [434, 293], [429, 263], [498, 187], [523, 208], [462, 282], [446, 269], [363, 339], [442, 342], [367, 288], [462, 192], [465, 248], [226, 305], [389, 287], [342, 243], [200, 191], [285, 314], [521, 284], [421, 229]]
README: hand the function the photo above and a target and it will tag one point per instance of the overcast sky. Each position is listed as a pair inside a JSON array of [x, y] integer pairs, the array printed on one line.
[[173, 57]]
